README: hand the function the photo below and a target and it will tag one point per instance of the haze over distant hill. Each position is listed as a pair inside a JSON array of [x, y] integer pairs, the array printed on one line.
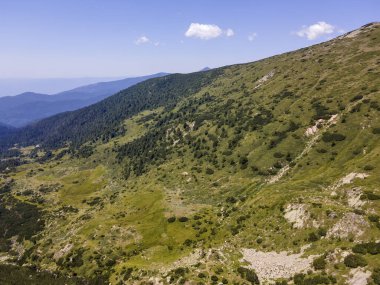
[[28, 107], [15, 86]]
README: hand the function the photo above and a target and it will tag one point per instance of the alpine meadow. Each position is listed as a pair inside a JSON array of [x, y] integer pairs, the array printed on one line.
[[265, 172]]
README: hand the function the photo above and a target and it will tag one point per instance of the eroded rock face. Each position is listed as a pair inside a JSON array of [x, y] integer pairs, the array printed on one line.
[[349, 225], [348, 179], [353, 197], [358, 276], [272, 265], [297, 215]]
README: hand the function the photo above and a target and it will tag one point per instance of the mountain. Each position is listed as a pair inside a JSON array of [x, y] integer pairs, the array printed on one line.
[[28, 107], [254, 173], [205, 68]]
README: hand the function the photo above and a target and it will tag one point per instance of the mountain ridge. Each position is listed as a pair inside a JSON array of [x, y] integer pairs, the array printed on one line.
[[28, 107]]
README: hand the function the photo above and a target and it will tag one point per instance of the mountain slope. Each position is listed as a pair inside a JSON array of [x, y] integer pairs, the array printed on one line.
[[28, 107], [5, 129], [260, 172], [103, 119]]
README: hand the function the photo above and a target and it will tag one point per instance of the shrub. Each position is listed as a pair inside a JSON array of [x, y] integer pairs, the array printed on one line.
[[248, 275], [171, 219], [373, 248], [373, 218], [313, 237], [243, 160], [359, 248], [231, 200], [376, 131], [356, 98], [331, 137], [183, 219], [354, 260], [372, 196], [322, 232], [302, 279], [278, 155], [376, 276], [214, 278], [319, 263], [209, 171], [201, 275], [368, 167]]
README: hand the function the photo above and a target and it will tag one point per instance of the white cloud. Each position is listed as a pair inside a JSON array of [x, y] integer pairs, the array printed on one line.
[[316, 30], [230, 32], [142, 40], [206, 31], [252, 36]]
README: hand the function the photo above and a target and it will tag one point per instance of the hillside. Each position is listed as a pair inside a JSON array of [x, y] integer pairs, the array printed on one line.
[[29, 107], [5, 129], [254, 173]]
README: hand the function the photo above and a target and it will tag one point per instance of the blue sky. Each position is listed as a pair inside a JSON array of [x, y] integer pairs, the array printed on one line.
[[119, 38]]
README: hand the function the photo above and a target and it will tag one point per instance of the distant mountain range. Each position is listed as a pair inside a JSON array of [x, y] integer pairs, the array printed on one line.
[[29, 107]]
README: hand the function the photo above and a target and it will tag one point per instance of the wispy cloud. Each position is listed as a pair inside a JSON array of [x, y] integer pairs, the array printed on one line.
[[207, 31], [316, 30], [230, 32], [252, 37], [142, 40]]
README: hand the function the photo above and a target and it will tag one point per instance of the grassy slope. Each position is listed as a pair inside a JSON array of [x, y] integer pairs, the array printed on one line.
[[121, 224]]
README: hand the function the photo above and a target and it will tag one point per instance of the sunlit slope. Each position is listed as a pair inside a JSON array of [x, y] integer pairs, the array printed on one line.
[[207, 177]]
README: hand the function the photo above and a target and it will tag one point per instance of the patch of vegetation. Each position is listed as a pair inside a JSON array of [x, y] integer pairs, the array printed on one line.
[[355, 260], [22, 275], [249, 275], [19, 219]]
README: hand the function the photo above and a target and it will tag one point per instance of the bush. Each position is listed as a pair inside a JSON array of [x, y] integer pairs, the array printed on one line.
[[376, 276], [369, 247], [322, 232], [368, 167], [376, 131], [201, 275], [356, 98], [313, 237], [248, 275], [278, 155], [171, 219], [373, 248], [373, 218], [302, 279], [231, 200], [331, 137], [360, 248], [319, 263], [183, 219], [354, 260], [209, 171]]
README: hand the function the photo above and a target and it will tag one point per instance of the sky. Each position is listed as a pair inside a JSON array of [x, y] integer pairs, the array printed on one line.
[[122, 38]]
